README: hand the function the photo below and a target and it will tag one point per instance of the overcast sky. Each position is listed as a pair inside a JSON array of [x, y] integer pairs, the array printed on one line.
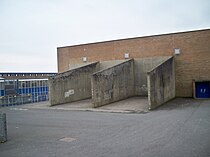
[[31, 30]]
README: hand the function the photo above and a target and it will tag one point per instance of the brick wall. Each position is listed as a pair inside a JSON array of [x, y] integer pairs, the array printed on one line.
[[192, 64]]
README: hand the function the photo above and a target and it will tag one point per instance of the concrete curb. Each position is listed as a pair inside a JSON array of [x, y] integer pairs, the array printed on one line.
[[88, 109]]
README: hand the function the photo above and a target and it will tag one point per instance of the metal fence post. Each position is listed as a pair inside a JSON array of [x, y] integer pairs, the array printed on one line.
[[3, 128]]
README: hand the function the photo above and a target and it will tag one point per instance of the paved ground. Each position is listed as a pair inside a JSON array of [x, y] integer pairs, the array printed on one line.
[[179, 128], [134, 104]]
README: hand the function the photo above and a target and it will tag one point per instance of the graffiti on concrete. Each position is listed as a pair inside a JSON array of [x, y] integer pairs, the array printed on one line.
[[69, 92], [144, 88]]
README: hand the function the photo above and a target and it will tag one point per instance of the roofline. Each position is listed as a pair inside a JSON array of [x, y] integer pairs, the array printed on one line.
[[34, 79], [101, 42], [28, 73]]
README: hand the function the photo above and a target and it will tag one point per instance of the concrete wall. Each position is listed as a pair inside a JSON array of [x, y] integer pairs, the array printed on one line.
[[161, 84], [192, 64], [78, 65], [142, 66], [116, 80], [108, 64], [113, 84], [72, 85]]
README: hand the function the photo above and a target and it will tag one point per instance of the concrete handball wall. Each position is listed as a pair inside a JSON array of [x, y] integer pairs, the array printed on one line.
[[161, 84], [142, 66], [72, 85], [116, 80], [192, 64], [113, 84]]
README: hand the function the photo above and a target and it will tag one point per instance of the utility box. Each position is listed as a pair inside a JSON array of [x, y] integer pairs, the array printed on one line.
[[3, 128], [202, 89]]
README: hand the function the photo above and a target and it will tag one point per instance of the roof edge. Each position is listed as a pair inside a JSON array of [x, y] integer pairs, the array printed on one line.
[[100, 42]]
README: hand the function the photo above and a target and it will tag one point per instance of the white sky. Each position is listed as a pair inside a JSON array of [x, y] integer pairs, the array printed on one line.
[[31, 30]]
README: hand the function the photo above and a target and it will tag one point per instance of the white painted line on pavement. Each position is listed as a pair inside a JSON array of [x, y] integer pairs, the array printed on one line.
[[19, 109]]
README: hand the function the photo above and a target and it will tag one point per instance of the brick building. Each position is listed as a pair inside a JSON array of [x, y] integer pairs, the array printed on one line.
[[191, 51]]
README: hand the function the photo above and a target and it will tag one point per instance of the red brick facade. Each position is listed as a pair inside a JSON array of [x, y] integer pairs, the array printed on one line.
[[193, 63]]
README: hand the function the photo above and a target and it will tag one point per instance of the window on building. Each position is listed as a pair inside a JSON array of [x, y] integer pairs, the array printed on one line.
[[23, 85], [27, 84]]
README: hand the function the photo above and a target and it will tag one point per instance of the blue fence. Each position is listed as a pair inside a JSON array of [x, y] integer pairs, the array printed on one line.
[[26, 91], [1, 92]]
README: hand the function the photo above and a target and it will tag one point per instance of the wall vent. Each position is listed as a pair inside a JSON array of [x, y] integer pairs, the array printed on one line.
[[126, 55], [177, 51], [84, 59]]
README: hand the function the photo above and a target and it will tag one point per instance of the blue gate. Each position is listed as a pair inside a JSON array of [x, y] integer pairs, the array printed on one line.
[[202, 89]]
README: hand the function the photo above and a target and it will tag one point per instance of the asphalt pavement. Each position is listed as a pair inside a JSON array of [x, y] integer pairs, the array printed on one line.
[[180, 128]]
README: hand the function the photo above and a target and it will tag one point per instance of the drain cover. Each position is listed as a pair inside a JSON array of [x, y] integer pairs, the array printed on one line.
[[67, 139]]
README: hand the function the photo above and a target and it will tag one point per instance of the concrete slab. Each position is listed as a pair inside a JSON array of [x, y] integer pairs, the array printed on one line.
[[134, 104]]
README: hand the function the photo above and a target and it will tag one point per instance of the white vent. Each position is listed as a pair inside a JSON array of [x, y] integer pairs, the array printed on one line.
[[84, 59], [176, 51], [126, 55]]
